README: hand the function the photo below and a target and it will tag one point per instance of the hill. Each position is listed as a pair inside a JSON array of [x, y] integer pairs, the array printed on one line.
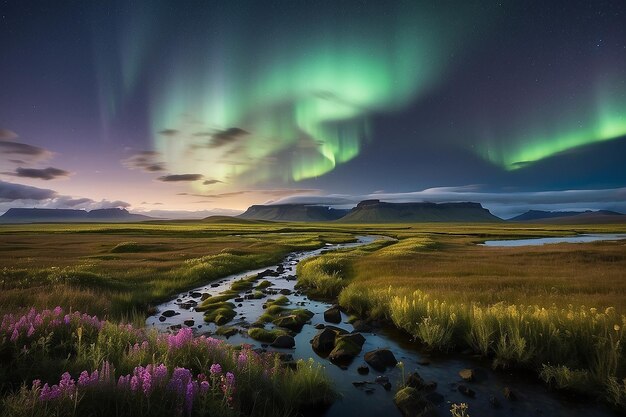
[[570, 217], [292, 213], [38, 215], [375, 211]]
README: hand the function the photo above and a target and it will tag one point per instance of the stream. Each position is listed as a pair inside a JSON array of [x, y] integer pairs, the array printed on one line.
[[532, 398]]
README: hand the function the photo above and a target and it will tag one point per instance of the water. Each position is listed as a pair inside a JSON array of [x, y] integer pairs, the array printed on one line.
[[550, 240], [533, 398]]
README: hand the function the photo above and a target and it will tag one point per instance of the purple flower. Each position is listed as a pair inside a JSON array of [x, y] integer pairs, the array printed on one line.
[[216, 368], [14, 335], [83, 379], [189, 395], [134, 383], [204, 387]]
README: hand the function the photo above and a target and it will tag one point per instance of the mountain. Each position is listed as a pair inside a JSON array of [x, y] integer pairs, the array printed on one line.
[[570, 217], [293, 213], [376, 211], [37, 215]]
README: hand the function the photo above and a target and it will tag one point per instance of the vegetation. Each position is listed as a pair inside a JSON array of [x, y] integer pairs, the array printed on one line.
[[85, 366]]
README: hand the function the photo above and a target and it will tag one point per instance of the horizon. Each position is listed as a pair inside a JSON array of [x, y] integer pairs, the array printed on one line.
[[514, 106]]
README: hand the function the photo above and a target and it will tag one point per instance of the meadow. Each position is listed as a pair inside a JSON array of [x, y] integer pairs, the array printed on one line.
[[557, 310]]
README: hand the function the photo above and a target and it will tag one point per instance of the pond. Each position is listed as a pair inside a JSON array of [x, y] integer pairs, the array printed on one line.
[[551, 240]]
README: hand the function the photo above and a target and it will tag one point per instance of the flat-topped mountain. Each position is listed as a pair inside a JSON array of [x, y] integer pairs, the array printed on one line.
[[39, 215], [570, 217], [373, 211], [376, 211], [292, 213]]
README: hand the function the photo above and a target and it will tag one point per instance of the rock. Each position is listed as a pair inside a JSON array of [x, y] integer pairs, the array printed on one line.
[[363, 370], [284, 342], [359, 384], [387, 386], [411, 402], [332, 315], [215, 285], [188, 304], [414, 380], [285, 291], [291, 322], [170, 313], [195, 294], [468, 392], [319, 326], [381, 379], [493, 400], [204, 296], [240, 305], [346, 347], [361, 326], [508, 393], [162, 318], [189, 323], [238, 299], [324, 341], [467, 374], [379, 359], [430, 385]]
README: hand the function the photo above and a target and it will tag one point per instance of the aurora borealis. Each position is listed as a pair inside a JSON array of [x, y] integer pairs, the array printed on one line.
[[201, 105]]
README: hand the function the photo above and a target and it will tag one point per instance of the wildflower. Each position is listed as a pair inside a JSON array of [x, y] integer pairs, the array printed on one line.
[[31, 331], [134, 383], [216, 368], [616, 327], [189, 395], [204, 387], [83, 379], [242, 360], [15, 335]]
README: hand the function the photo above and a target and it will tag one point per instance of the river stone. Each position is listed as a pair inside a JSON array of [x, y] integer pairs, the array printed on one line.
[[346, 347], [162, 318], [363, 370], [414, 380], [467, 374], [215, 285], [170, 313], [411, 402], [332, 315], [285, 291], [195, 294], [291, 322], [468, 392], [204, 296], [379, 359], [361, 326], [189, 323], [284, 341], [324, 341], [319, 326]]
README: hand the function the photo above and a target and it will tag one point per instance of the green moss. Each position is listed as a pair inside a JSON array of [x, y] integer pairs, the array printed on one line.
[[241, 285], [226, 331], [263, 335], [263, 284]]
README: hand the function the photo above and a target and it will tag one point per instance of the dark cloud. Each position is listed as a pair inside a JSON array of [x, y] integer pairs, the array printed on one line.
[[49, 173], [24, 150], [202, 134], [6, 134], [11, 191], [169, 132], [148, 161], [224, 137], [209, 182], [180, 177], [281, 192]]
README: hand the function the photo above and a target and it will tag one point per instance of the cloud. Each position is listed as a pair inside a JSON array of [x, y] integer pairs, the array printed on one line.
[[180, 177], [202, 134], [148, 161], [224, 137], [169, 132], [25, 151], [10, 191], [186, 214], [47, 174], [6, 134], [210, 182], [281, 192]]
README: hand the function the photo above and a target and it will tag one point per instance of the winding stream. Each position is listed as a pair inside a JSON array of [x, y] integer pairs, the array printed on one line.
[[532, 397]]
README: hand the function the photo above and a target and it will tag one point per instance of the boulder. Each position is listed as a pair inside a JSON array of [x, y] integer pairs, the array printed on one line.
[[467, 375], [380, 359], [284, 342], [204, 296], [189, 323], [346, 347], [414, 380], [332, 315], [291, 322], [324, 341], [319, 326], [170, 313], [363, 370], [411, 402]]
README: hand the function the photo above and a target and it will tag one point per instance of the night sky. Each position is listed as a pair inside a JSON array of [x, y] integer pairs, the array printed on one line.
[[213, 106]]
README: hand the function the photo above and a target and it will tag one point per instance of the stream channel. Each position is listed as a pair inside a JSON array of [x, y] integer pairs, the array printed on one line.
[[532, 398]]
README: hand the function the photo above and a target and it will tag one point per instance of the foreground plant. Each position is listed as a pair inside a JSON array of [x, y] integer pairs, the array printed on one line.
[[99, 368]]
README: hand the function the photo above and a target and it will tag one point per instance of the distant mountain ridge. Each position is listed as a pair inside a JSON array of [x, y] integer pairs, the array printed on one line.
[[39, 215], [293, 213], [570, 217], [376, 211], [373, 211]]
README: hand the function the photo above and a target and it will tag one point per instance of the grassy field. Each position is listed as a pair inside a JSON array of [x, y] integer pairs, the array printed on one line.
[[558, 310]]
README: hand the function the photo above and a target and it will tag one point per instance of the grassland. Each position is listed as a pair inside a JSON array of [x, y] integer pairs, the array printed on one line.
[[558, 310]]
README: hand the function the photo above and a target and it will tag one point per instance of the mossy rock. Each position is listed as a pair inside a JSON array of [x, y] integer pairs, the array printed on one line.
[[291, 322], [274, 310], [226, 331], [411, 402], [346, 347], [263, 335], [263, 284], [241, 285], [280, 301], [220, 316]]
